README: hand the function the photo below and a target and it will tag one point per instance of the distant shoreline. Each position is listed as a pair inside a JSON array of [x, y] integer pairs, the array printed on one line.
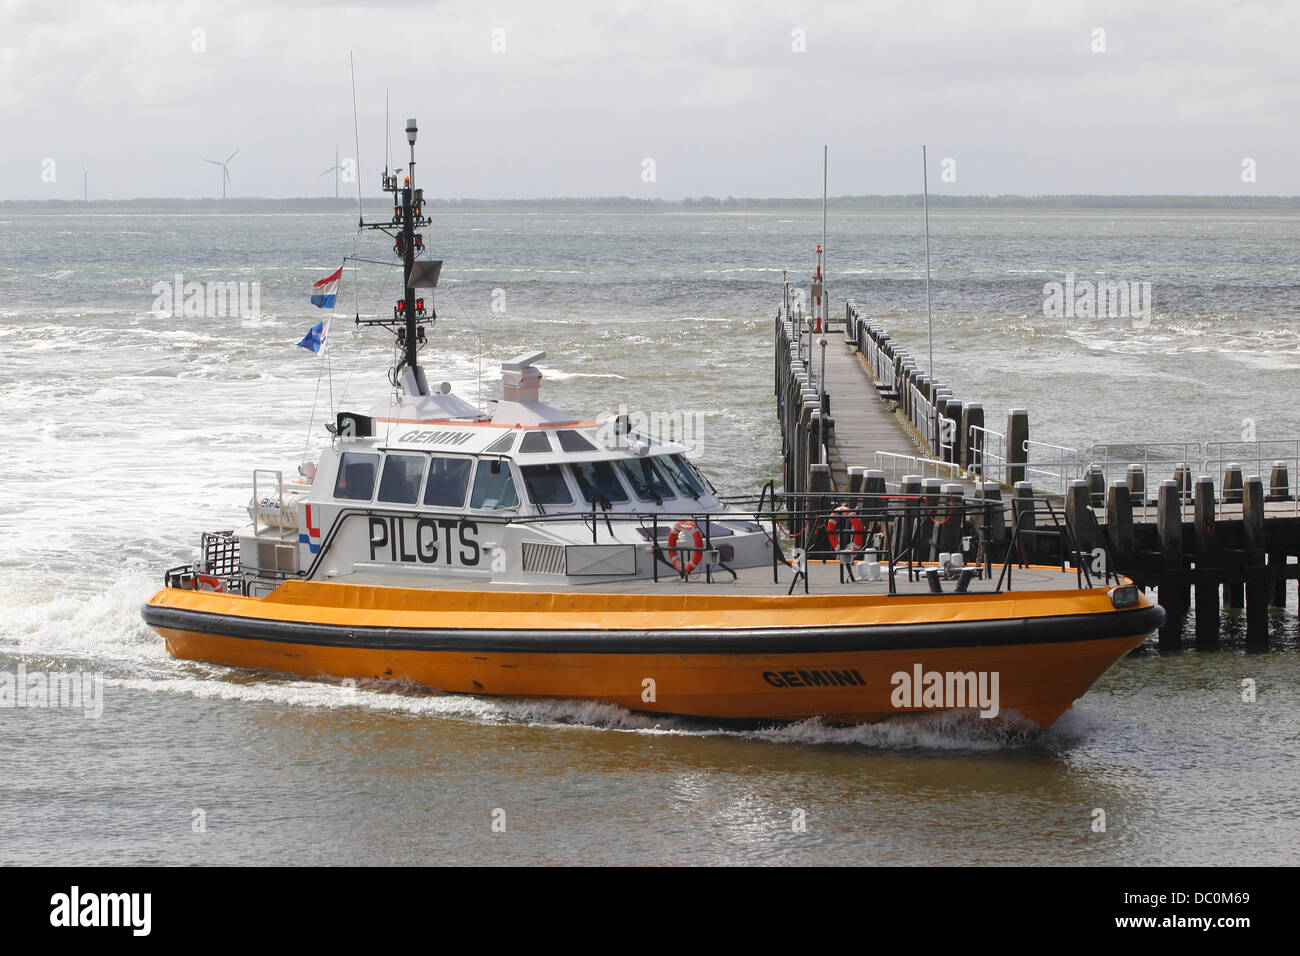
[[690, 204]]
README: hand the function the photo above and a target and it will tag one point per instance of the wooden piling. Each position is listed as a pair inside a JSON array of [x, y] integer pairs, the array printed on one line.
[[1096, 480], [1279, 483], [1234, 592], [1078, 500], [873, 483], [993, 516], [816, 448], [1232, 484], [938, 393], [1257, 588], [1119, 525], [1022, 504], [1136, 479], [923, 391], [1277, 587], [1017, 435], [953, 411], [819, 478], [1279, 489], [972, 445], [907, 526], [936, 508], [1205, 552], [948, 520], [1169, 527], [803, 447]]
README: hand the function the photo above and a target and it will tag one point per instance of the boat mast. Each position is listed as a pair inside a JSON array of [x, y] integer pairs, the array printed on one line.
[[409, 315], [408, 247], [826, 299]]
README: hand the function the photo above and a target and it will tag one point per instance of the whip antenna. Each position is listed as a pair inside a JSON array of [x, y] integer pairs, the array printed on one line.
[[356, 132], [929, 315]]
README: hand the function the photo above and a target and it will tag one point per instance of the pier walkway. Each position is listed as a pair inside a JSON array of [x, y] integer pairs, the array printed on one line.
[[873, 425], [858, 417]]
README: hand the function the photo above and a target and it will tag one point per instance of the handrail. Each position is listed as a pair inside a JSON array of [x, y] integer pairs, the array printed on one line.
[[914, 464], [1025, 447], [993, 453], [898, 532]]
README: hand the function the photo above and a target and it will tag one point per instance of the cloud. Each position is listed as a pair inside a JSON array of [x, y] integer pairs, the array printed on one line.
[[569, 97]]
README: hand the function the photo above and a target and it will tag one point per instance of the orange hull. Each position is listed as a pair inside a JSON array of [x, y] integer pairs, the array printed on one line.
[[593, 658]]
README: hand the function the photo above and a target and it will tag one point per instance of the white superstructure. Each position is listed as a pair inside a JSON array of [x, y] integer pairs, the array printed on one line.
[[430, 491]]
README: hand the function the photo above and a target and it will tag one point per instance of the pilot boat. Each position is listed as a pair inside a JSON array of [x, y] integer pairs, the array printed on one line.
[[524, 551]]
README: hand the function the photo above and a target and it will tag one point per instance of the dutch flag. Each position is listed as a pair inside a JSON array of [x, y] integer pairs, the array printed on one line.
[[322, 293]]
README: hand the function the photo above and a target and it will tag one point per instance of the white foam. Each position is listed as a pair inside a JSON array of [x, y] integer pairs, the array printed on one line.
[[946, 730], [559, 376], [51, 619]]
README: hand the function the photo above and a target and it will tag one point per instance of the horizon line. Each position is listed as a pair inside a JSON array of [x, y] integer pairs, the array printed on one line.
[[706, 199]]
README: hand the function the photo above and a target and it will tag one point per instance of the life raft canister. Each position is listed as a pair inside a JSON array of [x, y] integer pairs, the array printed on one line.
[[843, 514], [685, 558]]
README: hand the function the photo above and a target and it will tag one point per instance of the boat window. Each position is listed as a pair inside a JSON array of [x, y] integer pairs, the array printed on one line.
[[597, 478], [447, 480], [573, 441], [545, 485], [494, 486], [502, 444], [682, 475], [646, 481], [535, 442], [356, 480], [400, 483]]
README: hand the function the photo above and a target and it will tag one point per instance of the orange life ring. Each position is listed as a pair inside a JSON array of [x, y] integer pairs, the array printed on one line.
[[211, 580], [689, 563], [843, 513]]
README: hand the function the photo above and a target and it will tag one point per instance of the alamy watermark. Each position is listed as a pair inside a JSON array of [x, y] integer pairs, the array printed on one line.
[[639, 430], [213, 300], [1107, 298], [53, 689], [129, 910], [947, 690]]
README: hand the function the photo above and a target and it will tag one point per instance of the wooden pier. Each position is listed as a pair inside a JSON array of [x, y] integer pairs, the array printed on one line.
[[858, 415]]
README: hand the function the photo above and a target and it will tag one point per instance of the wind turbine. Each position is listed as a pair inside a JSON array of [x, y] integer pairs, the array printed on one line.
[[335, 169], [85, 187], [225, 173]]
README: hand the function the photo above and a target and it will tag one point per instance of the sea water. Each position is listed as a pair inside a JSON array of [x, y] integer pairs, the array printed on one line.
[[130, 429]]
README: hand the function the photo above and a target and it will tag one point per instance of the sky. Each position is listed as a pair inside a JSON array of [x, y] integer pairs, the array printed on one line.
[[662, 99]]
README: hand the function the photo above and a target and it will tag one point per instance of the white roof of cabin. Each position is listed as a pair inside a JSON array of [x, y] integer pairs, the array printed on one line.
[[474, 439], [427, 408], [535, 412], [442, 422]]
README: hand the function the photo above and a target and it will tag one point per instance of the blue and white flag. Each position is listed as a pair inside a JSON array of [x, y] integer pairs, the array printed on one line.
[[322, 293], [315, 338]]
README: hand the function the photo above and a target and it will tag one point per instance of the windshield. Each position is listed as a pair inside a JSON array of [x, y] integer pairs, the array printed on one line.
[[597, 479], [447, 480], [682, 474], [356, 478], [494, 486], [400, 483], [545, 484], [646, 481]]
